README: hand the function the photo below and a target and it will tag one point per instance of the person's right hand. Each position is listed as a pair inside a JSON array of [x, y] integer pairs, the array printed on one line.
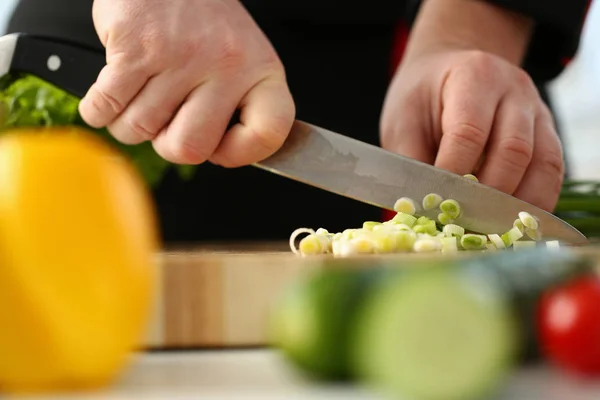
[[176, 72]]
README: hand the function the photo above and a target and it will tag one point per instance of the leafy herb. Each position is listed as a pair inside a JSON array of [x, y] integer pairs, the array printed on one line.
[[27, 101]]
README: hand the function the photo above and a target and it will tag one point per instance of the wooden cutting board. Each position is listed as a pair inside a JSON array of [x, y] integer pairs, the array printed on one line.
[[219, 295]]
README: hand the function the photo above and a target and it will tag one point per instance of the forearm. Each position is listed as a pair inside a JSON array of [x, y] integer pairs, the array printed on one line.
[[470, 24]]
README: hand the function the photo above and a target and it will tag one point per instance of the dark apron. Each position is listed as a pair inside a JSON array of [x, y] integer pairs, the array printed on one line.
[[338, 66]]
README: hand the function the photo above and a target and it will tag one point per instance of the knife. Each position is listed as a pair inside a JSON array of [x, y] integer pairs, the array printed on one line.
[[312, 155]]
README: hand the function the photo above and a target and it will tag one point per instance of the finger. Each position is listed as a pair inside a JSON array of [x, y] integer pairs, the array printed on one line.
[[117, 84], [197, 128], [542, 182], [152, 109], [510, 147], [404, 124], [267, 115], [467, 117]]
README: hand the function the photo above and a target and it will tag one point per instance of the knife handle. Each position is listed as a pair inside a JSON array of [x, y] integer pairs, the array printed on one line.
[[67, 65]]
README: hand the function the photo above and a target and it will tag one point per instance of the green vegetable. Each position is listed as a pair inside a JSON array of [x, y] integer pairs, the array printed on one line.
[[449, 329], [27, 101]]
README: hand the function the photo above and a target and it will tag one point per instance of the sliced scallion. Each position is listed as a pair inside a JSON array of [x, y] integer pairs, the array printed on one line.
[[431, 201], [497, 241], [453, 230], [528, 220], [444, 219], [472, 241], [406, 219], [405, 205], [471, 177], [451, 208]]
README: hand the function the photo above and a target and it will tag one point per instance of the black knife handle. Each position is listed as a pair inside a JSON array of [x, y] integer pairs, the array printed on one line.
[[67, 65]]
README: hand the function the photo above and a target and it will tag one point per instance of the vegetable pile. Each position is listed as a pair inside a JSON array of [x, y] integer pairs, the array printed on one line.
[[406, 232], [443, 329]]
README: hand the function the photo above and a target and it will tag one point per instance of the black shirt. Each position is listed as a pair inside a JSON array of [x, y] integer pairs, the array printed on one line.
[[338, 62]]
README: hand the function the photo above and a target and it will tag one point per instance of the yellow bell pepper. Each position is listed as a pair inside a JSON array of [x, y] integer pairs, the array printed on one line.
[[78, 239]]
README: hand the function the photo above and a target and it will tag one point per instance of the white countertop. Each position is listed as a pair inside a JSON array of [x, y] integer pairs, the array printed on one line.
[[261, 374]]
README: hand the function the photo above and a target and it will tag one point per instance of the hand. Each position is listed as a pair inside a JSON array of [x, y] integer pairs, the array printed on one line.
[[176, 72], [471, 111]]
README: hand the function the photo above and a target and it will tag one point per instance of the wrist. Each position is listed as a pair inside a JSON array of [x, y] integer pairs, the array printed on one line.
[[470, 25]]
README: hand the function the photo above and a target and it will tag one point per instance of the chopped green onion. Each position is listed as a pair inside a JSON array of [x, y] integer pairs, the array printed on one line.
[[429, 228], [471, 241], [405, 240], [523, 244], [311, 245], [518, 224], [451, 208], [322, 231], [431, 201], [553, 244], [449, 244], [471, 177], [511, 236], [497, 241], [444, 219], [295, 235], [405, 219], [405, 205], [533, 234], [384, 243], [425, 245], [491, 247], [369, 225], [423, 220], [528, 220], [453, 230], [362, 245]]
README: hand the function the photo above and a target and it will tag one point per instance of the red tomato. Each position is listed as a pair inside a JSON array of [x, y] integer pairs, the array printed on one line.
[[569, 326]]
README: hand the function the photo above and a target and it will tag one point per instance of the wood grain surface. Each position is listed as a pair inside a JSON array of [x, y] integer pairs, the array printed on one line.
[[219, 295]]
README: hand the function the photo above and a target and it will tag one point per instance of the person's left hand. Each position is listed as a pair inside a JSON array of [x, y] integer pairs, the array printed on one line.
[[450, 107]]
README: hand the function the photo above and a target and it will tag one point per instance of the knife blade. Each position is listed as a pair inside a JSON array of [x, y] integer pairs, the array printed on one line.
[[312, 155]]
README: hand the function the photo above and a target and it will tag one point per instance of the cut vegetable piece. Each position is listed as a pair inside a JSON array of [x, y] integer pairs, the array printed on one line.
[[511, 236], [369, 225], [449, 244], [444, 219], [424, 245], [523, 244], [528, 220], [497, 241], [405, 205], [454, 230], [431, 201], [405, 240], [295, 235], [429, 228], [423, 220], [518, 224], [405, 219], [322, 231], [491, 247], [451, 208], [429, 336], [473, 242], [471, 177], [533, 234], [553, 244], [311, 245], [383, 243]]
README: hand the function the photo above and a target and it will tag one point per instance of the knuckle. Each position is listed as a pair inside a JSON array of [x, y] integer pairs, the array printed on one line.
[[516, 151], [483, 63], [188, 152], [103, 101], [523, 80], [145, 127], [552, 162], [467, 135]]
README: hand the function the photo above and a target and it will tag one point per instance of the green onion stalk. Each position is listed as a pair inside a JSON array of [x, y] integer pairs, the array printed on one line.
[[579, 205]]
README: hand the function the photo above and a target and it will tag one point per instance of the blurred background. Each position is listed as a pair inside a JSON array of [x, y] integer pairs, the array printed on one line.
[[576, 97]]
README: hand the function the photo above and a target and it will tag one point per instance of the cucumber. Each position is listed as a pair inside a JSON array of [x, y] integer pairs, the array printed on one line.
[[425, 329], [453, 332], [310, 323], [432, 336]]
